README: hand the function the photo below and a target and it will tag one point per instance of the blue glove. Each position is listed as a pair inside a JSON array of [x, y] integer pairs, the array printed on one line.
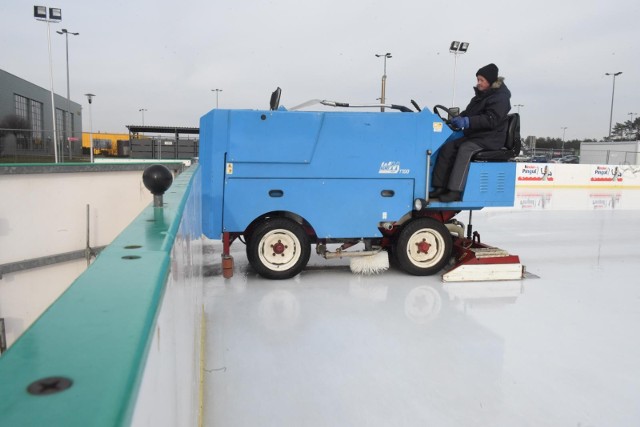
[[460, 122]]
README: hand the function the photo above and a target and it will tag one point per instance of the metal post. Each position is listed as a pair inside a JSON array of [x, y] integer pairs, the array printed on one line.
[[455, 66], [90, 98], [66, 34], [613, 92], [217, 91], [457, 48], [563, 131], [91, 131], [383, 90], [3, 337], [42, 13], [384, 78], [428, 174], [53, 106], [87, 250]]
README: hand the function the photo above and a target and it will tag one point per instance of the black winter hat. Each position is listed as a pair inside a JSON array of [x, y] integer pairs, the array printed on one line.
[[489, 72]]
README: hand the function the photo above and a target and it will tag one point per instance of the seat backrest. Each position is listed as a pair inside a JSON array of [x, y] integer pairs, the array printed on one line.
[[512, 144], [274, 102]]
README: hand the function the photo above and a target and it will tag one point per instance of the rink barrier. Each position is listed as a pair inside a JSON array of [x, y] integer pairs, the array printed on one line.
[[121, 346], [548, 175]]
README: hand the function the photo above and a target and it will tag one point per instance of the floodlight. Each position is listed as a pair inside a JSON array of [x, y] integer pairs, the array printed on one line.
[[457, 48], [55, 14], [40, 12]]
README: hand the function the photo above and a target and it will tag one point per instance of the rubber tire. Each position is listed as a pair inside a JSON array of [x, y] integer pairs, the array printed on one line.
[[436, 234], [280, 229]]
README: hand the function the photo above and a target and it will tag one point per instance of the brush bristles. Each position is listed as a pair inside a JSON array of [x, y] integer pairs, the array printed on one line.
[[370, 264]]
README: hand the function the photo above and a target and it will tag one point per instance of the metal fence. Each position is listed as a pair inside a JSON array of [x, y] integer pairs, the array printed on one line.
[[586, 156], [610, 157], [28, 146], [164, 148]]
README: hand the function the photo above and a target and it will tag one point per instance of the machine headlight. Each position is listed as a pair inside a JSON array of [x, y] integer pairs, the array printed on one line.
[[419, 204]]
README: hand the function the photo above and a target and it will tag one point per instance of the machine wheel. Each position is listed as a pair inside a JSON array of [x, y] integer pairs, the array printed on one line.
[[423, 247], [278, 248]]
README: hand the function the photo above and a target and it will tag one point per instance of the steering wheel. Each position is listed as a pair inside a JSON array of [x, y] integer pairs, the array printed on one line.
[[447, 121]]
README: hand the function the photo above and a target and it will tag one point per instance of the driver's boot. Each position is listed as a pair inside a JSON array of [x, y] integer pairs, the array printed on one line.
[[451, 196], [437, 192]]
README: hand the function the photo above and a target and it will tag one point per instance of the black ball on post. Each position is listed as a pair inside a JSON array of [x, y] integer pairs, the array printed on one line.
[[157, 179]]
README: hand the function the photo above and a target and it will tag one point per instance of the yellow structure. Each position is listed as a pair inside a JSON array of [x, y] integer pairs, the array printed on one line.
[[105, 144]]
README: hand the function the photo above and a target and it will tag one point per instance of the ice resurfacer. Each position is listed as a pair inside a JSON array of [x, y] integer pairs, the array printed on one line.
[[352, 183]]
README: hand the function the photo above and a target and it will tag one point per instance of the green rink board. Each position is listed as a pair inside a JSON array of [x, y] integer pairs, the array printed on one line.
[[98, 332]]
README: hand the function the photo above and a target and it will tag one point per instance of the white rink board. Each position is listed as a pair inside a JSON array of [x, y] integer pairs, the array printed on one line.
[[547, 175]]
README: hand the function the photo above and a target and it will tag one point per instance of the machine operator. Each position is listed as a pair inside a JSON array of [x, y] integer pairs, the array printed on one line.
[[484, 127]]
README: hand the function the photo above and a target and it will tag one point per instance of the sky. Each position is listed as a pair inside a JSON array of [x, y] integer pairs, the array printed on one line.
[[166, 56]]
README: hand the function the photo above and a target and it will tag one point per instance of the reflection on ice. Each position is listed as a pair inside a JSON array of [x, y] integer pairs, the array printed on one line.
[[279, 310], [422, 304], [362, 287], [485, 293], [576, 199], [605, 200]]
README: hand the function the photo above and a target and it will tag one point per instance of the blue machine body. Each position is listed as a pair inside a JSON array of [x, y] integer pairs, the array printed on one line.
[[344, 173]]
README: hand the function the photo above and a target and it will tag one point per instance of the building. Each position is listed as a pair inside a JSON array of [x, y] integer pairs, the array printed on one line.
[[106, 144], [26, 127]]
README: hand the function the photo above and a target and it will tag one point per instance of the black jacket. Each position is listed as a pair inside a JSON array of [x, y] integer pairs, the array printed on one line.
[[487, 112]]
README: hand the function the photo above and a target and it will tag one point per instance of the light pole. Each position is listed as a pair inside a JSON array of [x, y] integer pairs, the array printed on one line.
[[519, 105], [66, 35], [384, 77], [55, 15], [142, 110], [457, 48], [631, 115], [564, 128], [217, 91], [90, 99], [613, 92]]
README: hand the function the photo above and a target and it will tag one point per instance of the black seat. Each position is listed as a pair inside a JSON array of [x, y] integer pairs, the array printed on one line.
[[511, 147], [274, 102]]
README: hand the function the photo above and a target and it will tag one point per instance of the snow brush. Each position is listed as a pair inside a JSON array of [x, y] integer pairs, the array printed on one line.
[[370, 264]]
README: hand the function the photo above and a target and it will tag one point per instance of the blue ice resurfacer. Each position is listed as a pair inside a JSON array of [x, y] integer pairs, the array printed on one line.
[[283, 180]]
